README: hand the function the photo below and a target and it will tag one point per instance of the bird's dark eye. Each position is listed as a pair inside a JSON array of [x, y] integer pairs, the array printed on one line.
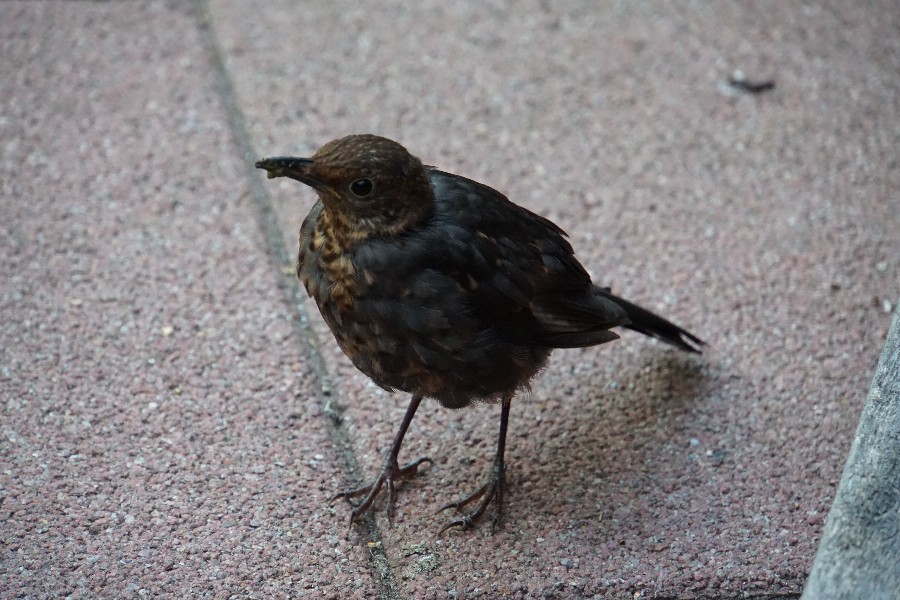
[[361, 187]]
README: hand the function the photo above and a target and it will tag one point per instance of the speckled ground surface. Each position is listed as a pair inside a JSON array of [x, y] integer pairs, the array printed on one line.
[[164, 429]]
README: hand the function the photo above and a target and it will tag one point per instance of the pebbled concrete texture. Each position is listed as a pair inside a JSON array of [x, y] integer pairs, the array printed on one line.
[[164, 429], [151, 378]]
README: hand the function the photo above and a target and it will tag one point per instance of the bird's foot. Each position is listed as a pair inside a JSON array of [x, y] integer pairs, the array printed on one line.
[[491, 491], [391, 472]]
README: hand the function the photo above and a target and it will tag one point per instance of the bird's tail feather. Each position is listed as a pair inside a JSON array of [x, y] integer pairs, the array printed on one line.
[[648, 323]]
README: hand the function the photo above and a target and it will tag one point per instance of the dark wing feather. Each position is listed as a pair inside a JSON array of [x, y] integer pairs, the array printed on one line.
[[523, 274]]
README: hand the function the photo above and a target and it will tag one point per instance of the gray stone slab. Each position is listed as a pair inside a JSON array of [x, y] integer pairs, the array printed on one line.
[[859, 556]]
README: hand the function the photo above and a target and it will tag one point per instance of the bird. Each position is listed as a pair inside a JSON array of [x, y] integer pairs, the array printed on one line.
[[441, 287]]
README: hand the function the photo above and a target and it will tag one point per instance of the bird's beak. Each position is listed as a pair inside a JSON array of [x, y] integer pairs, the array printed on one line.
[[289, 166]]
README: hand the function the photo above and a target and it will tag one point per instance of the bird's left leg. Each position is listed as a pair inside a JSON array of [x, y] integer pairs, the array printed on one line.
[[492, 490]]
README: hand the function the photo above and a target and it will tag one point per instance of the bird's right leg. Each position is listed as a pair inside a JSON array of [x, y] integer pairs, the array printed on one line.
[[391, 471]]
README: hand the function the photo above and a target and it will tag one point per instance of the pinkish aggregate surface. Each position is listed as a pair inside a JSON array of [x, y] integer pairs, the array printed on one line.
[[163, 432]]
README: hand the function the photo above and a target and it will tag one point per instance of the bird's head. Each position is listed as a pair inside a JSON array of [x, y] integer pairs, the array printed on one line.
[[370, 185]]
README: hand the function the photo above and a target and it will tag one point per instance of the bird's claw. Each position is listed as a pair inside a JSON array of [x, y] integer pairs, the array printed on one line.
[[491, 491], [391, 472]]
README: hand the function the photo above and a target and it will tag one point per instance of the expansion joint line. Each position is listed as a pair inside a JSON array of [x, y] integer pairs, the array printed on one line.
[[280, 258]]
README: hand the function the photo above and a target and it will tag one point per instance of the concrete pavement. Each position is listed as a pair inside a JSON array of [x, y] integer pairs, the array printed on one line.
[[175, 415]]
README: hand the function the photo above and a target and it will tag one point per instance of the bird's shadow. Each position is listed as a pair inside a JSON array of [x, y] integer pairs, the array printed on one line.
[[613, 435], [562, 464]]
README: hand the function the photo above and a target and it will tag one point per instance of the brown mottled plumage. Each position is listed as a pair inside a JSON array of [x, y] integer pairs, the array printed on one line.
[[441, 287]]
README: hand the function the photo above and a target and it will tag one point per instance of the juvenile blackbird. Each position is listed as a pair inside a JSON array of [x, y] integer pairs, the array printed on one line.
[[441, 287]]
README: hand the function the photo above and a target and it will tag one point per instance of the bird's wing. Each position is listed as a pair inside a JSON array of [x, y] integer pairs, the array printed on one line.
[[518, 267]]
